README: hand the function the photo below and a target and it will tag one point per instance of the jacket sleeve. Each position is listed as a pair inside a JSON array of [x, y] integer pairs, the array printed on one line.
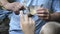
[[3, 14]]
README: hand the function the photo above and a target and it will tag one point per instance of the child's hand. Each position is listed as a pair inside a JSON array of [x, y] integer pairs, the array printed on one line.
[[27, 24]]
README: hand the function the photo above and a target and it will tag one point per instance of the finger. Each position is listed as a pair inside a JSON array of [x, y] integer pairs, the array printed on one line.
[[30, 20], [20, 6], [21, 17], [33, 22], [44, 18], [42, 15], [39, 9], [42, 12], [26, 18], [45, 11]]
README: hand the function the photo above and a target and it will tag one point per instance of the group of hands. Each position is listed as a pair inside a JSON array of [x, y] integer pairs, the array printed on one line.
[[27, 23]]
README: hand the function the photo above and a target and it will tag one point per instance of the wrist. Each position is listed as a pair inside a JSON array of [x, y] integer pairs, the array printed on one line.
[[55, 16], [49, 17]]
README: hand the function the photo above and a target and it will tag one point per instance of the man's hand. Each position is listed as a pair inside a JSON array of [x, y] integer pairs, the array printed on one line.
[[15, 6], [27, 24], [43, 13]]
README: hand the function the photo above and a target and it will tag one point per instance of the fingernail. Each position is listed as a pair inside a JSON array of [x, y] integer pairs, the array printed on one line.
[[21, 13]]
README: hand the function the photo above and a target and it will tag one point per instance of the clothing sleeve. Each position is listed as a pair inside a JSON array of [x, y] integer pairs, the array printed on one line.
[[56, 5], [3, 14]]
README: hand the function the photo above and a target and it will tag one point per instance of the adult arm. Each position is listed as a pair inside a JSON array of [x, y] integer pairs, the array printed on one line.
[[15, 6], [56, 7], [3, 2], [45, 15]]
